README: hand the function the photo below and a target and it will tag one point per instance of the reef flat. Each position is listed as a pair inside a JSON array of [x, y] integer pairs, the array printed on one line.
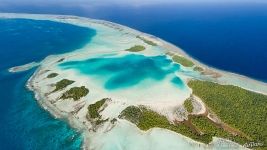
[[125, 83]]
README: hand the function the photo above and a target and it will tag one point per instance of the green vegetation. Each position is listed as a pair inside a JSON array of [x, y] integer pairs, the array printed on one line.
[[132, 114], [60, 60], [93, 113], [188, 105], [183, 61], [136, 48], [198, 128], [241, 109], [199, 69], [113, 120], [146, 119], [146, 41], [209, 130], [100, 121], [93, 109], [170, 54], [75, 93], [62, 84], [52, 75]]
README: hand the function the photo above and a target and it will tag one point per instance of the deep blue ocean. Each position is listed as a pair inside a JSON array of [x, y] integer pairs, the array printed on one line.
[[230, 36], [23, 123]]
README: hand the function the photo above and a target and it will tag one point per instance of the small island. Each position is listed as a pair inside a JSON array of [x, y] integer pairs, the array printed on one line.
[[75, 93], [62, 84], [183, 61], [136, 48], [204, 108], [94, 110], [146, 41], [52, 75]]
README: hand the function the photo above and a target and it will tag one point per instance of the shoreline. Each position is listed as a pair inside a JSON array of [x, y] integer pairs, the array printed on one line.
[[165, 44], [74, 122], [57, 114], [174, 48]]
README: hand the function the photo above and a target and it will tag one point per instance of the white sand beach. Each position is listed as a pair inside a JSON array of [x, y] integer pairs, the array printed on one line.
[[162, 97]]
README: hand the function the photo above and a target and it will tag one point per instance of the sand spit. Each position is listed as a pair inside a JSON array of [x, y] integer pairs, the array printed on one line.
[[24, 67]]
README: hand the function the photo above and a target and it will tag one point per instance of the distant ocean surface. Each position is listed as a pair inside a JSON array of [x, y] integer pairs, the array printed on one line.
[[229, 36], [23, 123]]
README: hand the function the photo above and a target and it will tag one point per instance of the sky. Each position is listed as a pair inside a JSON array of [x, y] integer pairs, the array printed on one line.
[[124, 2]]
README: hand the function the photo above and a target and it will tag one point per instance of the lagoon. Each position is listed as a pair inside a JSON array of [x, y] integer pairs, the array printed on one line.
[[127, 71]]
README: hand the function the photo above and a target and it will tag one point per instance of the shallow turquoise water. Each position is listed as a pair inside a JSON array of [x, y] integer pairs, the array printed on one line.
[[23, 123], [126, 71]]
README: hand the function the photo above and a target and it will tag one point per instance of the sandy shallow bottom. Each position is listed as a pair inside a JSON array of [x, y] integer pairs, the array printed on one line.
[[111, 40], [127, 136]]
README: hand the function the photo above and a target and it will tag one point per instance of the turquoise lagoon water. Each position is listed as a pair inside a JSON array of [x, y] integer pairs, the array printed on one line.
[[127, 71], [23, 123]]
